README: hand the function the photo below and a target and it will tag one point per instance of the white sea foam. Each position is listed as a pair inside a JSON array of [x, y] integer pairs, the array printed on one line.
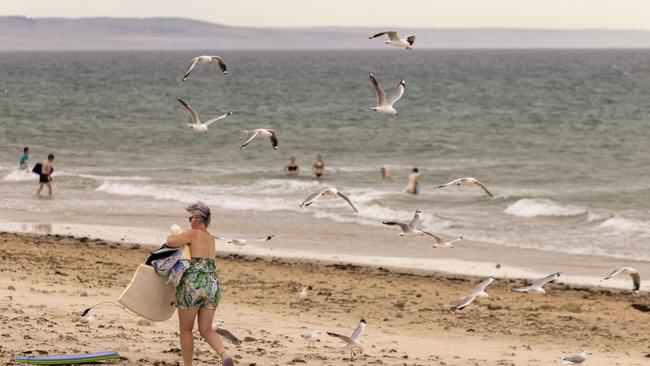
[[20, 176], [626, 225], [110, 177], [534, 207], [277, 195]]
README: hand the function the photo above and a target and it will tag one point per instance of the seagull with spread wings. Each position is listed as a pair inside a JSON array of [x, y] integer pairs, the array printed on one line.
[[196, 124], [411, 229], [394, 40], [250, 135], [636, 277], [241, 241], [440, 243], [205, 59], [538, 286], [467, 182], [479, 291], [329, 191], [385, 104], [353, 342]]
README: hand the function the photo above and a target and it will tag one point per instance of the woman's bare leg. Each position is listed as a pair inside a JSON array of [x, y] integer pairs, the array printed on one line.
[[186, 319], [210, 336]]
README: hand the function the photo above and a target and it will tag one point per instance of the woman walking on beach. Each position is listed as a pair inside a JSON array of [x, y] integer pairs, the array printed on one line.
[[199, 291]]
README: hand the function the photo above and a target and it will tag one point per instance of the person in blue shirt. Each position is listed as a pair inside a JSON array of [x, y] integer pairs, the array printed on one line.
[[23, 160]]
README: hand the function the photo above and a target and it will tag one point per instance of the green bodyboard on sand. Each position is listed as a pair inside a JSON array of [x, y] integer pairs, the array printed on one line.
[[68, 359]]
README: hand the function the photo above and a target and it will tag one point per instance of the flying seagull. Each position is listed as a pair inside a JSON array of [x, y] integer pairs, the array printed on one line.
[[329, 191], [196, 124], [241, 242], [466, 182], [411, 228], [444, 244], [576, 359], [205, 60], [353, 342], [250, 135], [216, 326], [538, 286], [385, 104], [636, 278], [479, 291], [393, 39], [311, 338]]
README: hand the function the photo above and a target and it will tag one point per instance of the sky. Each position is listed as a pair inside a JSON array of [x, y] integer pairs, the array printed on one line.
[[554, 14]]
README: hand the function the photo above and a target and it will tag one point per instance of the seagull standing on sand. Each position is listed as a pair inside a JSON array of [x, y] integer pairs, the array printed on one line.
[[250, 135], [575, 359], [411, 229], [196, 124], [636, 277], [466, 182], [353, 342], [302, 295], [394, 40], [538, 286], [385, 104], [205, 60], [311, 338], [479, 291], [217, 327], [241, 242], [329, 191], [86, 319]]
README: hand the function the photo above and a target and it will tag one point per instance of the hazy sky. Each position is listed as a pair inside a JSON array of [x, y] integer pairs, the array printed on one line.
[[618, 14]]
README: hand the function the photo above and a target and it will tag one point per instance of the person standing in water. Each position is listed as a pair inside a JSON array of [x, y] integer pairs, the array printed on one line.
[[199, 291], [292, 168], [22, 165], [45, 175], [413, 184], [318, 168], [385, 175]]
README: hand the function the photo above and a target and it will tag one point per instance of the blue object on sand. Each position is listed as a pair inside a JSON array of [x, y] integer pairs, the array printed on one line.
[[68, 359]]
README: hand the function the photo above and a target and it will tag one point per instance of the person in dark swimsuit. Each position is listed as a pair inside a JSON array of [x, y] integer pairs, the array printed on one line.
[[45, 176], [318, 168], [292, 168]]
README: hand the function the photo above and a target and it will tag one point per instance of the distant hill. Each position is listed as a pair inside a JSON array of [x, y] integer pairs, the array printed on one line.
[[21, 33]]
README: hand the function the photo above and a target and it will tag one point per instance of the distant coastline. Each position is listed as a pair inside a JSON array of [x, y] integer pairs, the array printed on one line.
[[159, 33]]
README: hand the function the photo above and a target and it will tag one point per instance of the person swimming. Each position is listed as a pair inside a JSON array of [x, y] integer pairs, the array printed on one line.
[[318, 168], [385, 175], [413, 184], [292, 168]]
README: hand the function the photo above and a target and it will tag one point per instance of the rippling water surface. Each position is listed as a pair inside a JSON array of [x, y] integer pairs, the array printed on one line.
[[560, 137]]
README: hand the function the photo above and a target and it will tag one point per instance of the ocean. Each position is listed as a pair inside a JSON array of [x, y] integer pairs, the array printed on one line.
[[560, 137]]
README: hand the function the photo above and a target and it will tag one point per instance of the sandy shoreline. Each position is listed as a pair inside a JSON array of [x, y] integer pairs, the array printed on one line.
[[47, 280], [297, 237]]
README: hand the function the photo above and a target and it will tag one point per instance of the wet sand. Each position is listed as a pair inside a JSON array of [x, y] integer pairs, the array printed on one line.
[[47, 280]]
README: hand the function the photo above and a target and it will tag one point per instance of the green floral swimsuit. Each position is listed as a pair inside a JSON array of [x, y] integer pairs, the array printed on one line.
[[199, 286]]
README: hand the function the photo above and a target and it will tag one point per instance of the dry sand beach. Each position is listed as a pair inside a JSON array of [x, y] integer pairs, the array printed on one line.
[[48, 280]]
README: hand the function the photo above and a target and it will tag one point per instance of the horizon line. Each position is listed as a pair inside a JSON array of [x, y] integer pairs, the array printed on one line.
[[339, 26]]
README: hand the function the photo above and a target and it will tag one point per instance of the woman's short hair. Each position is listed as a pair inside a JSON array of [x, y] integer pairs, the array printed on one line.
[[200, 210]]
